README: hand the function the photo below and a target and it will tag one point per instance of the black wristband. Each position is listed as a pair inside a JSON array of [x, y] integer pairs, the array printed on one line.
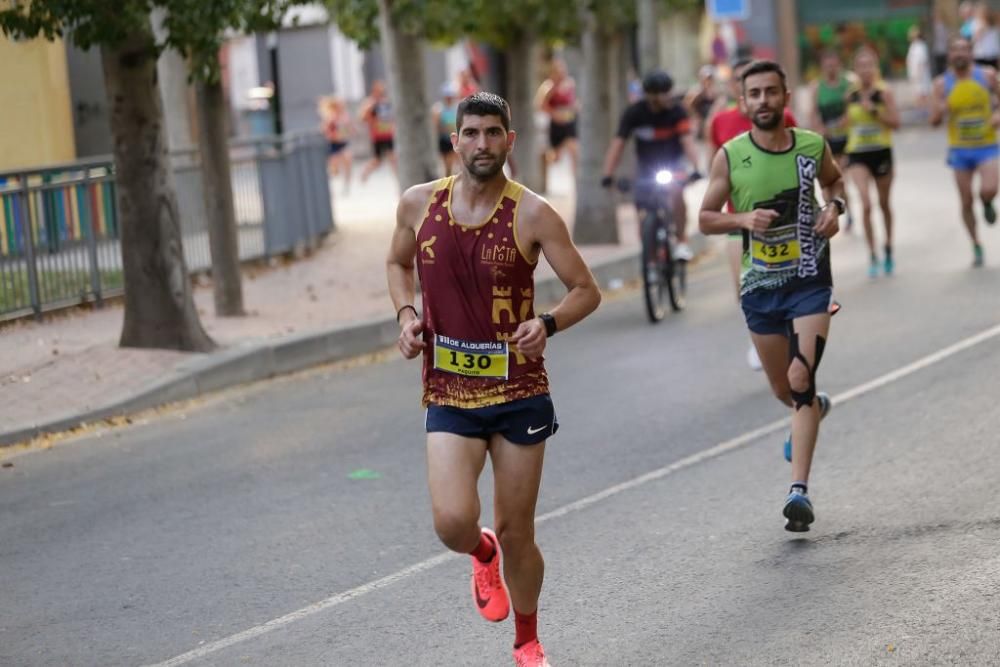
[[400, 312], [550, 324], [840, 204]]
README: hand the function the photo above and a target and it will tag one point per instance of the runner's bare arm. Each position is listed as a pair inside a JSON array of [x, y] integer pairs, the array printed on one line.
[[890, 118], [991, 77], [541, 229], [366, 109], [399, 267], [542, 95], [711, 219], [832, 181], [937, 102]]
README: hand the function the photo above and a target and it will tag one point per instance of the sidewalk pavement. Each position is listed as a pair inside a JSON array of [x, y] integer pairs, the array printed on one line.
[[68, 370]]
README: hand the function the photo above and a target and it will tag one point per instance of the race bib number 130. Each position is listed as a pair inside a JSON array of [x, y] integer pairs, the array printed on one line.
[[483, 360]]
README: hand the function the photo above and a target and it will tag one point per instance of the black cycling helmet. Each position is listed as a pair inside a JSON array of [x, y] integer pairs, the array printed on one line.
[[657, 81]]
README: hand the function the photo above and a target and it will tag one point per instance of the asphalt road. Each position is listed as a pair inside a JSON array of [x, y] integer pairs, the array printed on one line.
[[173, 541]]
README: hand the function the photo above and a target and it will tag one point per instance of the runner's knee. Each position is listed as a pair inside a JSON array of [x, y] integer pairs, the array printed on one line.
[[515, 535], [454, 528], [799, 378]]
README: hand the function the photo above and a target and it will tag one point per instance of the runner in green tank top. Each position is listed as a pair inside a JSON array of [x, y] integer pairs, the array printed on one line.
[[770, 174], [828, 113]]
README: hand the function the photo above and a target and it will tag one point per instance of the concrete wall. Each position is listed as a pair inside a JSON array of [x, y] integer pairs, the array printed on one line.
[[36, 126]]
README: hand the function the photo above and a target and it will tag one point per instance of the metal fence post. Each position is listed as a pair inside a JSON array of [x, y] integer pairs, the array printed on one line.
[[304, 189], [29, 248], [95, 269]]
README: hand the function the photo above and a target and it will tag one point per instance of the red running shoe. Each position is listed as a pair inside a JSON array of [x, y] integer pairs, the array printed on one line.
[[488, 589], [531, 655]]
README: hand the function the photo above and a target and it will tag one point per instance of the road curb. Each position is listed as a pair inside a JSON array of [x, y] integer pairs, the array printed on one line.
[[250, 362]]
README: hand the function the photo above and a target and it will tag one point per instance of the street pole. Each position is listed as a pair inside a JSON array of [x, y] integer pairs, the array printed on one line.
[[649, 35], [787, 17]]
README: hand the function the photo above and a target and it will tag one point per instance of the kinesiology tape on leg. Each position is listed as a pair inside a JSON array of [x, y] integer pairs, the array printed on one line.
[[805, 398]]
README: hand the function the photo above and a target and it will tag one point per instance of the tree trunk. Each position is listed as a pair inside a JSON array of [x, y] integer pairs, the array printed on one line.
[[416, 147], [649, 36], [159, 310], [217, 189], [522, 81], [595, 206]]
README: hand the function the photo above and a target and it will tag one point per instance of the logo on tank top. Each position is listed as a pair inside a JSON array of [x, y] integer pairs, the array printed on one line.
[[427, 249], [503, 253], [807, 237]]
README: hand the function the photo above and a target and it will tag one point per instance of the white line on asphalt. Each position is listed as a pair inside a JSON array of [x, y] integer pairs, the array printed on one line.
[[583, 503]]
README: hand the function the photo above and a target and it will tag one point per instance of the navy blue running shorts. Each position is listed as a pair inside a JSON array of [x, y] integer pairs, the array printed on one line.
[[772, 311], [527, 421]]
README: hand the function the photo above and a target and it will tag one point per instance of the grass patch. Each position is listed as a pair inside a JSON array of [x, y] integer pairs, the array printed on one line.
[[52, 286]]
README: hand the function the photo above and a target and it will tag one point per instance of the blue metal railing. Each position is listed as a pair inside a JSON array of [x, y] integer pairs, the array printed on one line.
[[59, 227]]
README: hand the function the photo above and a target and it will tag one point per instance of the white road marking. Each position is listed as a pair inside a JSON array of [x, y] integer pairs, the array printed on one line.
[[687, 462]]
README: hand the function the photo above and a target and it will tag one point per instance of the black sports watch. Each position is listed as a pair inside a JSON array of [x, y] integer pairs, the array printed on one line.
[[840, 204], [550, 324]]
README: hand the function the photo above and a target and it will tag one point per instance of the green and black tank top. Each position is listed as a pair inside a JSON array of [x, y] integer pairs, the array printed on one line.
[[789, 254], [831, 102]]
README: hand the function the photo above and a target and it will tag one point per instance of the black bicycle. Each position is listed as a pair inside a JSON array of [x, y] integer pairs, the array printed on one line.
[[661, 271]]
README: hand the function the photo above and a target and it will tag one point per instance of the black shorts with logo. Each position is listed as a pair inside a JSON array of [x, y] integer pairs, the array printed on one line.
[[878, 162], [527, 421]]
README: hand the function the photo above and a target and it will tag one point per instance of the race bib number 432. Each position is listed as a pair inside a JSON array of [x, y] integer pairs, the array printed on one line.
[[483, 360], [776, 249]]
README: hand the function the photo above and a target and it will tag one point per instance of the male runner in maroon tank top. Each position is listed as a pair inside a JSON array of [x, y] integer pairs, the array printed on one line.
[[476, 238]]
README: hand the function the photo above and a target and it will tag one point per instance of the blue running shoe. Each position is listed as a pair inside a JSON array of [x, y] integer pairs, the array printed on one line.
[[873, 268], [825, 404], [798, 512], [888, 265]]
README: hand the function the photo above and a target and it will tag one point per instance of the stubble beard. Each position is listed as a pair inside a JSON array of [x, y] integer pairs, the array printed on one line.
[[484, 172], [769, 125]]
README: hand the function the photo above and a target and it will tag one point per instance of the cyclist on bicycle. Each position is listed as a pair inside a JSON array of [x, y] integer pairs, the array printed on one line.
[[663, 141]]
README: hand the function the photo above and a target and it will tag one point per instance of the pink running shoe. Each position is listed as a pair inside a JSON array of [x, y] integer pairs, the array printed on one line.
[[531, 655], [488, 589]]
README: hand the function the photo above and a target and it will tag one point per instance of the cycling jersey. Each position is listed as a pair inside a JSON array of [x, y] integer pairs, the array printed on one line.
[[657, 135]]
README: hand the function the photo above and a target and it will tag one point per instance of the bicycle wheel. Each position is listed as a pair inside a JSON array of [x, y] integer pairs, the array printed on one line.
[[674, 275], [655, 254], [676, 279]]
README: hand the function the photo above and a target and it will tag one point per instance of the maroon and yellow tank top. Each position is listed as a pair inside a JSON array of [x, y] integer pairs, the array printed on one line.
[[477, 286]]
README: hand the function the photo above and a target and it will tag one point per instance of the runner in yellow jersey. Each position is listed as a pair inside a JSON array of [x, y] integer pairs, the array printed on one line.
[[871, 118], [967, 95]]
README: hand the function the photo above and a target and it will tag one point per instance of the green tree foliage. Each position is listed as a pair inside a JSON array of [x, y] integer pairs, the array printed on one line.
[[196, 28]]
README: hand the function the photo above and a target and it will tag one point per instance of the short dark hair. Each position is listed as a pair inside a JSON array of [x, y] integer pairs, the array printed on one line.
[[762, 67], [740, 63], [484, 104]]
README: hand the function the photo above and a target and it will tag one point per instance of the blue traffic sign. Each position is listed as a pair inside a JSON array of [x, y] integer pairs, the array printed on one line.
[[728, 10]]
